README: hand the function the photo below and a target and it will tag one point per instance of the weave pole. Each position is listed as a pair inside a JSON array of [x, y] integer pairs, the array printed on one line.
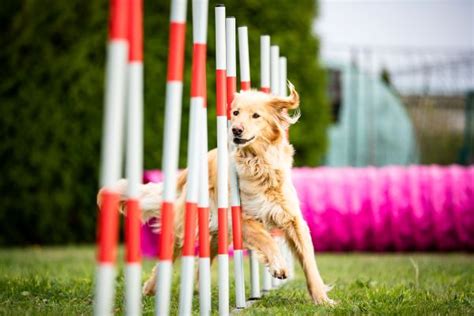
[[282, 76], [203, 201], [264, 87], [199, 8], [234, 185], [222, 161], [275, 90], [265, 63], [244, 59], [134, 161], [203, 216], [111, 158], [174, 93], [283, 92], [274, 70]]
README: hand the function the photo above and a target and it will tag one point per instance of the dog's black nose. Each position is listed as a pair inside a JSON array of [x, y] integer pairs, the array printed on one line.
[[237, 131]]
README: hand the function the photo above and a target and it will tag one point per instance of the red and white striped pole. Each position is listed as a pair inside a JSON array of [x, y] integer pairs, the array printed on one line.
[[174, 93], [222, 162], [203, 216], [231, 63], [198, 92], [111, 162], [203, 207], [265, 87], [134, 162], [275, 88], [283, 92], [234, 184]]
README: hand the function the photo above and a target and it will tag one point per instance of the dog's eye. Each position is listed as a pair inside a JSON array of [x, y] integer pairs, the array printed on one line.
[[235, 113], [256, 115]]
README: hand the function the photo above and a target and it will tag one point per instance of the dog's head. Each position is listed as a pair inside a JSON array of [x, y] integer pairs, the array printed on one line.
[[258, 117]]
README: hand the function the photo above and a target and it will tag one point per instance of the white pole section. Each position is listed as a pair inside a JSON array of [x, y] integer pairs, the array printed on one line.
[[174, 94], [267, 280], [244, 59], [111, 160], [274, 73], [282, 73], [265, 63], [134, 161], [254, 276], [222, 162], [234, 185]]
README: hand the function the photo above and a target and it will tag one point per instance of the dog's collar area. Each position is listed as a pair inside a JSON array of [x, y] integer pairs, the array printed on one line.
[[241, 141]]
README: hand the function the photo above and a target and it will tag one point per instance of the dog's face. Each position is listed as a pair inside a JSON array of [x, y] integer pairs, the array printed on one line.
[[260, 117]]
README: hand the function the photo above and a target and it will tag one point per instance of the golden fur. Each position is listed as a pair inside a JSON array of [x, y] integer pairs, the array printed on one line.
[[263, 159]]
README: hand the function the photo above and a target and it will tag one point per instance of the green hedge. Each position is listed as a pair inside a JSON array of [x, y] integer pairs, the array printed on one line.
[[51, 96]]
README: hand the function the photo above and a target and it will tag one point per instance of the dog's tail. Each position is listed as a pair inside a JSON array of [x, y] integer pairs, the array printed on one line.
[[150, 197]]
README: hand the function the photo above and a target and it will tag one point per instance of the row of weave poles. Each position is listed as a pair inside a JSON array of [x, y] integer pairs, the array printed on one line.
[[124, 101]]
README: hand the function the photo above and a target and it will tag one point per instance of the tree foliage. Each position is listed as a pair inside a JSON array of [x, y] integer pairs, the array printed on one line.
[[51, 94]]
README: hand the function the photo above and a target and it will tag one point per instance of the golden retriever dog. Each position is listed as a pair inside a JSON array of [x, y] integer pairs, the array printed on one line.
[[263, 159]]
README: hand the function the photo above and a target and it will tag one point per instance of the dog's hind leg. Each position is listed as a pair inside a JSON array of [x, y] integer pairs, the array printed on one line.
[[257, 238], [299, 239]]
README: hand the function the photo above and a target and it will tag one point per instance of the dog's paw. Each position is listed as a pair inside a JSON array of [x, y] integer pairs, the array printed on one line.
[[279, 273], [278, 268], [325, 300], [149, 288]]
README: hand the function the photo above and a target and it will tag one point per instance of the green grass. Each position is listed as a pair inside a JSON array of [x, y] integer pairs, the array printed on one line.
[[59, 281]]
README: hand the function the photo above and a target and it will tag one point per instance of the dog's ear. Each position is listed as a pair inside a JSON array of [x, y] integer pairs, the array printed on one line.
[[290, 102]]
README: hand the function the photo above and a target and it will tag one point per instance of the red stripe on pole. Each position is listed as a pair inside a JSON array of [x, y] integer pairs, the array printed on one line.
[[108, 227], [189, 229], [176, 51], [265, 89], [132, 231], [237, 227], [245, 85], [231, 89], [198, 83], [135, 30], [221, 92], [118, 19], [204, 249], [222, 246], [166, 239], [204, 79]]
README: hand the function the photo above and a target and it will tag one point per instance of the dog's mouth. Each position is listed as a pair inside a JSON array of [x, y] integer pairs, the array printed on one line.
[[242, 141]]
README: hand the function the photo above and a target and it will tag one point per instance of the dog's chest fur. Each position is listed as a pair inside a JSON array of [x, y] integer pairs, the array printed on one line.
[[265, 182]]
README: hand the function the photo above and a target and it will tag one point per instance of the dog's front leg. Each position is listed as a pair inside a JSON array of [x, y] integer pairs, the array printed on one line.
[[298, 237], [257, 238]]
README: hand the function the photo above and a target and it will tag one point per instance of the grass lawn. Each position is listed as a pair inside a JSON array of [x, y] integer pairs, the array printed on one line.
[[59, 281]]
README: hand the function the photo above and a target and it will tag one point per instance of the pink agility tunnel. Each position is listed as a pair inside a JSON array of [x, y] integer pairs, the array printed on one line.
[[395, 208]]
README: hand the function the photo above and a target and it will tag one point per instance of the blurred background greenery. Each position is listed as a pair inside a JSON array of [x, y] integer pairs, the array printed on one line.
[[51, 94]]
